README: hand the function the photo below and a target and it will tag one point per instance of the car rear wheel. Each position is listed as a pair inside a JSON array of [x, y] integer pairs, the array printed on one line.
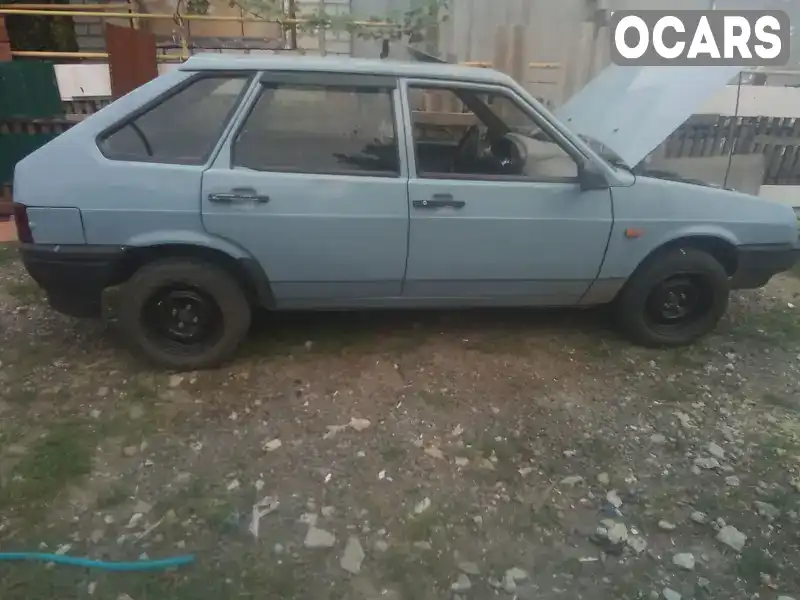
[[674, 299], [183, 314]]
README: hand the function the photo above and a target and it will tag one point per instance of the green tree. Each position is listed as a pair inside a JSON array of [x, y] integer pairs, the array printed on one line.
[[55, 34], [412, 25]]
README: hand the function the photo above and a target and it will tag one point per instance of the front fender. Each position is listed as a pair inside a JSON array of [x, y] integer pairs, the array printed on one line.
[[705, 230]]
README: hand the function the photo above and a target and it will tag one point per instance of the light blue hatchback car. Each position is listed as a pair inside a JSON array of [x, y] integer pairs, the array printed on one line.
[[232, 183]]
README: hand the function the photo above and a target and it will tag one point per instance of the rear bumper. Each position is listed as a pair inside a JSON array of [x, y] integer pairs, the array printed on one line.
[[757, 264], [74, 277]]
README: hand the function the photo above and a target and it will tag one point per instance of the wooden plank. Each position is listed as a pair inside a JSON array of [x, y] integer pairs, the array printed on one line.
[[444, 119], [5, 43], [517, 67], [501, 49], [132, 58]]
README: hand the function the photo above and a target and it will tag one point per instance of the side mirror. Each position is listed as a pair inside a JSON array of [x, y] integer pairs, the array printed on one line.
[[591, 177]]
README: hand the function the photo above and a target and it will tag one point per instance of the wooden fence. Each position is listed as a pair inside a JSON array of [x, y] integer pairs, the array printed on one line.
[[778, 139]]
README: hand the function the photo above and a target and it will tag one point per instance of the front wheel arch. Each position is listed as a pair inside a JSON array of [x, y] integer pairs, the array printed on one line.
[[721, 249]]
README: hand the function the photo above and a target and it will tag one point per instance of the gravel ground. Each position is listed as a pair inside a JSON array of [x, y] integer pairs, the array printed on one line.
[[400, 456]]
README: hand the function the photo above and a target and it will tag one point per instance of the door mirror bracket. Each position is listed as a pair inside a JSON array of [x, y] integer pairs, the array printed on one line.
[[591, 177]]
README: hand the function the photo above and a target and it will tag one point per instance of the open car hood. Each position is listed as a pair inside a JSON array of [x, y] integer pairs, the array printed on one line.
[[631, 110]]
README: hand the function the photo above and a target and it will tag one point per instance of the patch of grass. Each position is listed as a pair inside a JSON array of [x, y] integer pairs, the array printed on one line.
[[675, 392], [23, 395], [57, 459], [280, 578], [753, 562], [8, 253], [117, 495], [439, 399], [776, 326], [26, 291], [394, 453], [780, 401], [416, 577], [425, 526]]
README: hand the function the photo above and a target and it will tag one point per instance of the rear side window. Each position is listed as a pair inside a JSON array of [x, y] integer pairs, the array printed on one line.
[[181, 129], [320, 129]]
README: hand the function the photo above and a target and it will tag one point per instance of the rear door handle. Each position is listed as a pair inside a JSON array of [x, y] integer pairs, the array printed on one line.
[[439, 201], [239, 195]]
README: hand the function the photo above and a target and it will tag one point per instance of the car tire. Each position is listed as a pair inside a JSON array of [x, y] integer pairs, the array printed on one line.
[[183, 314], [673, 299]]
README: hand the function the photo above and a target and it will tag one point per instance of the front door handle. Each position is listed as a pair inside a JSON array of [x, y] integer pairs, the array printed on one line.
[[439, 201], [239, 195]]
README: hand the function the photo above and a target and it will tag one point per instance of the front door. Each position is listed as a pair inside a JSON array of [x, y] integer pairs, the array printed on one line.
[[497, 213], [313, 184]]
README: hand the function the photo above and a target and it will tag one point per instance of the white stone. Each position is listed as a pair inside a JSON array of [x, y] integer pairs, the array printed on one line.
[[353, 556], [272, 445], [706, 463], [422, 506], [732, 537], [470, 568], [618, 533], [462, 584], [359, 424], [637, 543], [434, 452], [572, 480], [666, 525], [699, 517], [716, 451], [614, 499], [670, 594], [319, 538], [765, 509], [684, 560], [732, 481]]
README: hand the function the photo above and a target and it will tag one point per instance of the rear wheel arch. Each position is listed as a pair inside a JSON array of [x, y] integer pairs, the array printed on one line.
[[247, 272]]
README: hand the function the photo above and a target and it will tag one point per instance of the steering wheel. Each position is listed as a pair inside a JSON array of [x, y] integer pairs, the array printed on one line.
[[468, 144], [507, 156]]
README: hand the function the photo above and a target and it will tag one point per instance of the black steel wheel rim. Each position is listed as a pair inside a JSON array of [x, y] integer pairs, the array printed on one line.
[[182, 318], [679, 301]]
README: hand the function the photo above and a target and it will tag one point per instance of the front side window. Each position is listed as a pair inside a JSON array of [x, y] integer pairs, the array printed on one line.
[[321, 130], [181, 129], [475, 134]]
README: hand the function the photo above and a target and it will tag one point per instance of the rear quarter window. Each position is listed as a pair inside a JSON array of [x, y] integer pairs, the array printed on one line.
[[181, 128]]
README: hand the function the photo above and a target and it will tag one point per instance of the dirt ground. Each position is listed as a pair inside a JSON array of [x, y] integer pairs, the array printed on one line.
[[406, 456]]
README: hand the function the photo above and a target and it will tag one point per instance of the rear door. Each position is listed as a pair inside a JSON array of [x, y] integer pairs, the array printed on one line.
[[313, 183]]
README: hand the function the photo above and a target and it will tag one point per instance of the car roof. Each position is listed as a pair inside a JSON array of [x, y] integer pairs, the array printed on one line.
[[329, 64]]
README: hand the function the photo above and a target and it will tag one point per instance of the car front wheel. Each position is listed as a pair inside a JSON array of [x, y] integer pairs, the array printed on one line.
[[183, 314], [674, 299]]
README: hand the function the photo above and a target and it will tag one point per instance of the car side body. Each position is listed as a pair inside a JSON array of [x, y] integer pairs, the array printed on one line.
[[364, 228]]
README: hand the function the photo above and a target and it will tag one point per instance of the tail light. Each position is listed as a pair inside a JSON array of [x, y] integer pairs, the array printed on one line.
[[24, 234]]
